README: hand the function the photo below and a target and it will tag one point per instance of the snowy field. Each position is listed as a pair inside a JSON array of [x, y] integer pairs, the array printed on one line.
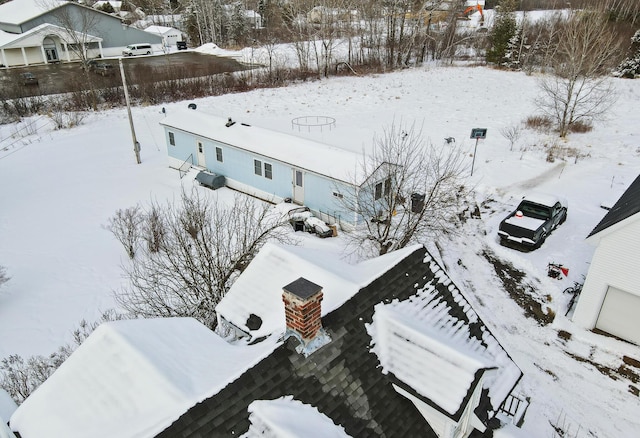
[[60, 187]]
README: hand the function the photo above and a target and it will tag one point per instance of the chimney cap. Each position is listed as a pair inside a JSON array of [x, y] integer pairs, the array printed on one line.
[[302, 288]]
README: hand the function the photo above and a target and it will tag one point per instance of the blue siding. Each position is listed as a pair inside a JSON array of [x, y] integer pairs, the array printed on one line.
[[238, 165]]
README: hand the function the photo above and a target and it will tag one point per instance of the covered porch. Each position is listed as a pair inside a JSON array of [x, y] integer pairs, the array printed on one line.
[[46, 44]]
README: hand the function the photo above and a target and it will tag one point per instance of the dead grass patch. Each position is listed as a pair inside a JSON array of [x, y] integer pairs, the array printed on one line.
[[622, 372], [521, 291], [539, 123], [564, 335]]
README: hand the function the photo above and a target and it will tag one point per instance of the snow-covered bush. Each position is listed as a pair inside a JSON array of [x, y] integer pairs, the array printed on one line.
[[630, 67]]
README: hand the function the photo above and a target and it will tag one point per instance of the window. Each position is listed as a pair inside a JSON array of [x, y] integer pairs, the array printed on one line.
[[378, 191], [268, 171], [338, 195], [219, 154], [200, 147], [172, 139], [382, 188], [257, 167], [387, 187]]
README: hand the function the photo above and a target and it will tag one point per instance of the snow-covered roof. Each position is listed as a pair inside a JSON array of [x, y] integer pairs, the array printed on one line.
[[300, 152], [132, 379], [448, 347], [19, 11], [627, 206], [34, 37], [258, 290], [160, 30], [286, 417], [5, 432], [439, 366], [7, 408]]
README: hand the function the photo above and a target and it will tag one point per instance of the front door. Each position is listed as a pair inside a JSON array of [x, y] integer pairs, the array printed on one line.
[[298, 186], [50, 50], [201, 160]]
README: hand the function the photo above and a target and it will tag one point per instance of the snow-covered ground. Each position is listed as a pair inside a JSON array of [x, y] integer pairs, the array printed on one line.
[[60, 187]]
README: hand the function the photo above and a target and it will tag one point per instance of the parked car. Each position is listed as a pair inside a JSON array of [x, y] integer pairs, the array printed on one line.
[[137, 49], [181, 45], [104, 69], [535, 218], [29, 78]]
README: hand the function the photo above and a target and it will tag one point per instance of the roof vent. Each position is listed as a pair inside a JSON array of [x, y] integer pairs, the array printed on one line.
[[229, 122], [302, 310]]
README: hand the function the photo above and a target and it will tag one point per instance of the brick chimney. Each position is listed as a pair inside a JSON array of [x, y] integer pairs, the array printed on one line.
[[302, 310]]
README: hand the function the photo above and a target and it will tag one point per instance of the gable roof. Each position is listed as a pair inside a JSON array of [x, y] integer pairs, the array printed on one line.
[[343, 379], [161, 30], [627, 206], [18, 12], [286, 417], [322, 159], [441, 369], [35, 36], [450, 331], [258, 290], [132, 379]]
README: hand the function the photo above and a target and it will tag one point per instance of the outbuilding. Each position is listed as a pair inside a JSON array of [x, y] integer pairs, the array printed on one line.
[[610, 297]]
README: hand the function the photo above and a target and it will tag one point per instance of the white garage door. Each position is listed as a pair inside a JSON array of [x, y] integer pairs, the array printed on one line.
[[620, 315]]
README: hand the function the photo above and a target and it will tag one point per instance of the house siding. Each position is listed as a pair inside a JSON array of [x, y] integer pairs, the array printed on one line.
[[615, 263], [114, 33], [238, 169]]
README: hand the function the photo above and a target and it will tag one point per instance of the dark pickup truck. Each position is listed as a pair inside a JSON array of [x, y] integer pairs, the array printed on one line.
[[534, 219]]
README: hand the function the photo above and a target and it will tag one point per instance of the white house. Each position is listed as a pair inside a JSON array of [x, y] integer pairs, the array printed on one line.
[[169, 35], [610, 297]]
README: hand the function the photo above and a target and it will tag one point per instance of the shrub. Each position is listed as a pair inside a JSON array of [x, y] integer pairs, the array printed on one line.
[[580, 127], [541, 123]]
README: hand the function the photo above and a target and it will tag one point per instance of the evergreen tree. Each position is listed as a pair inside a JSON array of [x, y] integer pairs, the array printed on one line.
[[516, 53], [237, 25], [503, 30], [630, 67], [107, 8]]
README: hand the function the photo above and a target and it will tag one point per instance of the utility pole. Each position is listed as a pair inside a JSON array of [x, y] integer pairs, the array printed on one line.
[[136, 145]]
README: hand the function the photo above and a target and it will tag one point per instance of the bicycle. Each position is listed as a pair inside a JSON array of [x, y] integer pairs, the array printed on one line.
[[574, 291]]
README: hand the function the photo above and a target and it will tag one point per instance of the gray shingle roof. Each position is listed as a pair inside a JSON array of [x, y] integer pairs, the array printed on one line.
[[625, 207], [342, 380]]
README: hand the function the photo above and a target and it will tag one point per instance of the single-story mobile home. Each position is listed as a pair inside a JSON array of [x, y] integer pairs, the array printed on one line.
[[267, 164]]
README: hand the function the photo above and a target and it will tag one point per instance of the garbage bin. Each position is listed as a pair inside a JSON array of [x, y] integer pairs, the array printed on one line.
[[417, 202]]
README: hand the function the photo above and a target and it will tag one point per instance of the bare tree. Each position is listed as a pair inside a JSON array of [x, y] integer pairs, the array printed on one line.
[[202, 248], [78, 23], [126, 227], [580, 90], [412, 193], [511, 133]]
